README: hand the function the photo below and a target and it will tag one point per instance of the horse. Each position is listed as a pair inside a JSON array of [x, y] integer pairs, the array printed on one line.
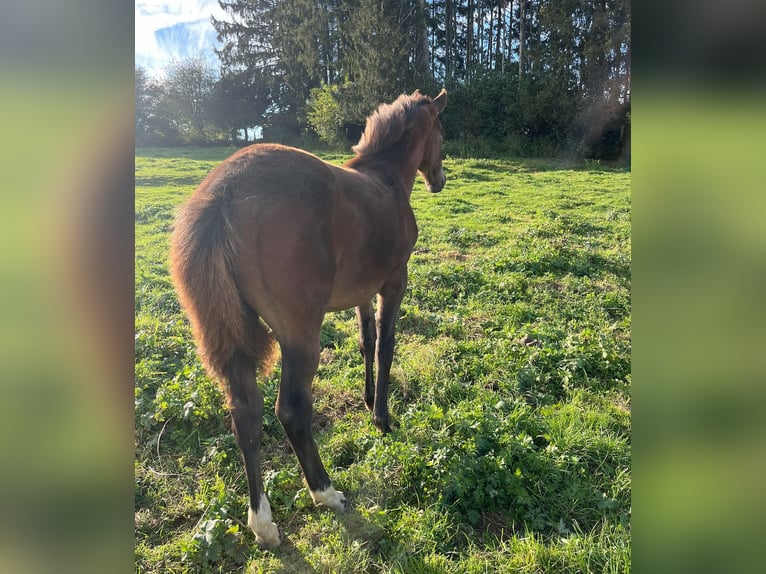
[[273, 239]]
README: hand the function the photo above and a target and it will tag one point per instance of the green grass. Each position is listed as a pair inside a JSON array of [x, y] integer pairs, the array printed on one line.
[[510, 387]]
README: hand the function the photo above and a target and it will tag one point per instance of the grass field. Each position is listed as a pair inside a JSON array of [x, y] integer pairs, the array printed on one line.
[[510, 388]]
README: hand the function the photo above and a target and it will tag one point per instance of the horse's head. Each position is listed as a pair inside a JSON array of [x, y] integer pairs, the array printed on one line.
[[430, 166]]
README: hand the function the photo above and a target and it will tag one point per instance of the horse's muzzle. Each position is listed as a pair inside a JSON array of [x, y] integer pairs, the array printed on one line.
[[438, 185]]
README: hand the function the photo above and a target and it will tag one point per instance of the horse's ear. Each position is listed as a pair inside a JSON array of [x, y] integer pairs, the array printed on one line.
[[441, 100], [415, 93]]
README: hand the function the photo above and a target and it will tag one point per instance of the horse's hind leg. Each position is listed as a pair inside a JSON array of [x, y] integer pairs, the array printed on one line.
[[367, 337], [246, 407], [294, 410]]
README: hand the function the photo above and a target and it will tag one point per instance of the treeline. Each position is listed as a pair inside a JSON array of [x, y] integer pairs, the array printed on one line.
[[531, 77]]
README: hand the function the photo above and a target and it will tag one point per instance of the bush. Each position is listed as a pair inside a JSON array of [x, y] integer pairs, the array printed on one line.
[[324, 115]]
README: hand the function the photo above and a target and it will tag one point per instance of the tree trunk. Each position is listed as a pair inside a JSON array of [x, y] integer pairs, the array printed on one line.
[[421, 63], [449, 21], [522, 40], [490, 37], [498, 33], [469, 40]]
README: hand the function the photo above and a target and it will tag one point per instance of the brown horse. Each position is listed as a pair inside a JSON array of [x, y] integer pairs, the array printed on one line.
[[275, 235]]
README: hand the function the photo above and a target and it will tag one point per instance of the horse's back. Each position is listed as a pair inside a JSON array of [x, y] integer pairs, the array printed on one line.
[[270, 173]]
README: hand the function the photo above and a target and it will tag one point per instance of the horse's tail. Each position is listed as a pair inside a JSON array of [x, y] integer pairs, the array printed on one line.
[[202, 257]]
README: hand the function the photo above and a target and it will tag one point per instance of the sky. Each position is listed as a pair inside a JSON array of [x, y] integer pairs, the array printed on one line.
[[180, 29]]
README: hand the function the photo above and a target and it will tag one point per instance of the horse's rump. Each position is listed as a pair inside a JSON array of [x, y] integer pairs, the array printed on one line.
[[203, 252]]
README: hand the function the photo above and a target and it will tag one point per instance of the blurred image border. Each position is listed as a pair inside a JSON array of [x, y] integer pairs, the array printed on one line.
[[699, 275]]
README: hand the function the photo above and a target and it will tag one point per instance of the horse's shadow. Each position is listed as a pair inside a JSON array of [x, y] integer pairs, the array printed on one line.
[[354, 527], [292, 559]]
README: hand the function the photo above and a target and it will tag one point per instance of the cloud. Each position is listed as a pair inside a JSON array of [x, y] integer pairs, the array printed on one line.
[[166, 30]]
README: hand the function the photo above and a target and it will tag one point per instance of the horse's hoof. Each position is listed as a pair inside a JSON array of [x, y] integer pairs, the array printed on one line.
[[343, 504], [383, 425], [269, 537], [385, 428], [267, 533], [331, 498]]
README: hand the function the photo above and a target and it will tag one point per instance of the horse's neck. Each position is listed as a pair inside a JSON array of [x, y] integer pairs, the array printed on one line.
[[396, 166]]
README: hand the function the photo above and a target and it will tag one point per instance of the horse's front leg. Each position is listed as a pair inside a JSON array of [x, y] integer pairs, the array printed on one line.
[[367, 337], [389, 300]]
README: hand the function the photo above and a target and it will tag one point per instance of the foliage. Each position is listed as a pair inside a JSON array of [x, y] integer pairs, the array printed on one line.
[[295, 46], [324, 115], [179, 108], [529, 78], [189, 85], [534, 77], [239, 104], [155, 125], [510, 391]]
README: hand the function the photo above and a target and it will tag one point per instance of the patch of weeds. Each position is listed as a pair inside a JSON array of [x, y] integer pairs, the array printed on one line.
[[217, 538], [154, 213], [348, 444], [284, 487], [420, 530], [179, 409], [327, 547], [445, 287], [463, 238], [456, 206], [593, 359], [494, 463]]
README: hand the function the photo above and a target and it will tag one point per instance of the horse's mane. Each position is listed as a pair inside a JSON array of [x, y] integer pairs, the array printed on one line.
[[387, 125]]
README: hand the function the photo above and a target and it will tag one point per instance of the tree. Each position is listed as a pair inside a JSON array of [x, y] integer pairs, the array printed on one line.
[[238, 105], [325, 115], [189, 87], [155, 123], [383, 45], [281, 48], [143, 103]]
